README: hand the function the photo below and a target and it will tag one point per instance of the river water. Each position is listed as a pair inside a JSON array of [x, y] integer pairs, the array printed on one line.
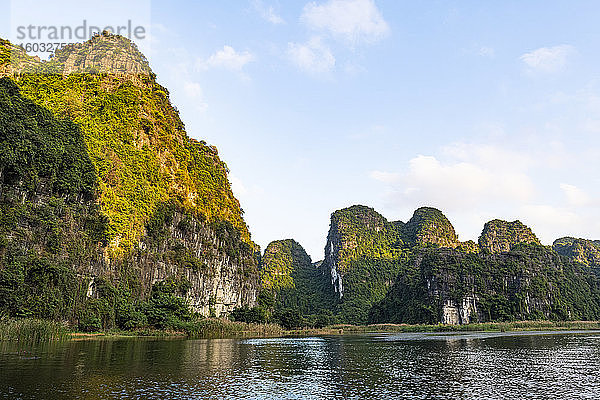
[[543, 365]]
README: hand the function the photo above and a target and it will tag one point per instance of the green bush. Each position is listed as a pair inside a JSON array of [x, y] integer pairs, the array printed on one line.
[[90, 323], [252, 315]]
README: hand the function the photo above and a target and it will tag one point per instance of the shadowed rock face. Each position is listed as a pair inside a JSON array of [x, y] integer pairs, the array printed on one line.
[[501, 236], [583, 251]]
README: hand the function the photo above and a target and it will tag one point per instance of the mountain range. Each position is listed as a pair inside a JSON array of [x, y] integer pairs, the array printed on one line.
[[112, 216]]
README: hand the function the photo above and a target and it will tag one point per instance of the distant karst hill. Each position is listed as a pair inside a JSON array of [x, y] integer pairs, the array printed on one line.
[[419, 272], [111, 216]]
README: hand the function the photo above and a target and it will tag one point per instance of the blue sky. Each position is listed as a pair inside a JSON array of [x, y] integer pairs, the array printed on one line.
[[482, 109]]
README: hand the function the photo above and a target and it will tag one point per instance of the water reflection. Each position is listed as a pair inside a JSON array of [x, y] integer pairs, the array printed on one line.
[[416, 366]]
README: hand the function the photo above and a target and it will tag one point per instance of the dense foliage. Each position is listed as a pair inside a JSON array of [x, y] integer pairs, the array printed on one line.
[[407, 273], [136, 141], [530, 282], [367, 251], [429, 226], [39, 152], [99, 180], [293, 293], [583, 251], [47, 182]]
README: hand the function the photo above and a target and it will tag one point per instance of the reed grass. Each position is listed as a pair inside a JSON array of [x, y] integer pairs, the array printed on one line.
[[485, 327], [32, 330], [213, 327]]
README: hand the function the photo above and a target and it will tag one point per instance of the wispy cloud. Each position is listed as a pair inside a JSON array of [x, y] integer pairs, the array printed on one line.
[[575, 196], [455, 185], [227, 58], [354, 21], [548, 59], [486, 51], [267, 12], [194, 91], [313, 56]]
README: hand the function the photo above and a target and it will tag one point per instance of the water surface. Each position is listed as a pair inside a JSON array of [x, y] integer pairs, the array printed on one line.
[[546, 365]]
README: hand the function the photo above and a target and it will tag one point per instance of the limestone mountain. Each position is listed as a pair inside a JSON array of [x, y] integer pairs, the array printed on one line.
[[583, 251], [429, 226], [290, 279], [529, 282], [104, 195], [419, 271], [500, 236], [362, 258]]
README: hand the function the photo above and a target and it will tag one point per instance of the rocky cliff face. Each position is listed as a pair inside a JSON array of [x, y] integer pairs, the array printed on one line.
[[354, 232], [453, 287], [501, 236], [103, 53], [583, 251], [419, 271], [98, 180]]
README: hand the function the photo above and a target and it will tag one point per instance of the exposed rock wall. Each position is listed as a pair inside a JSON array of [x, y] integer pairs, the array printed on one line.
[[221, 278], [52, 140], [453, 287]]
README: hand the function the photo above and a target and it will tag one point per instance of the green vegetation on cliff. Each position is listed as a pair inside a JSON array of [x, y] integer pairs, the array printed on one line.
[[293, 291], [428, 226], [586, 252], [499, 236], [104, 199], [134, 137], [531, 282], [363, 256], [418, 272], [47, 183]]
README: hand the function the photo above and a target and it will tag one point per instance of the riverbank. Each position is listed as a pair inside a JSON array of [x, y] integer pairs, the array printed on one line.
[[42, 330], [481, 327]]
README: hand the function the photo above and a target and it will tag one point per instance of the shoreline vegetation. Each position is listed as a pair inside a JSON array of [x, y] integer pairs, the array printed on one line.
[[36, 330]]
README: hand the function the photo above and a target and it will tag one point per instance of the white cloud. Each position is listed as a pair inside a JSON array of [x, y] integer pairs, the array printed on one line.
[[456, 185], [268, 12], [548, 59], [485, 51], [488, 156], [313, 56], [465, 176], [354, 21], [575, 196], [192, 89], [227, 58], [473, 183], [551, 222], [237, 186]]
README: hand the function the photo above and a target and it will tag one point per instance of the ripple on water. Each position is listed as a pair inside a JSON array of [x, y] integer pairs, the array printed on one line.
[[382, 366]]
